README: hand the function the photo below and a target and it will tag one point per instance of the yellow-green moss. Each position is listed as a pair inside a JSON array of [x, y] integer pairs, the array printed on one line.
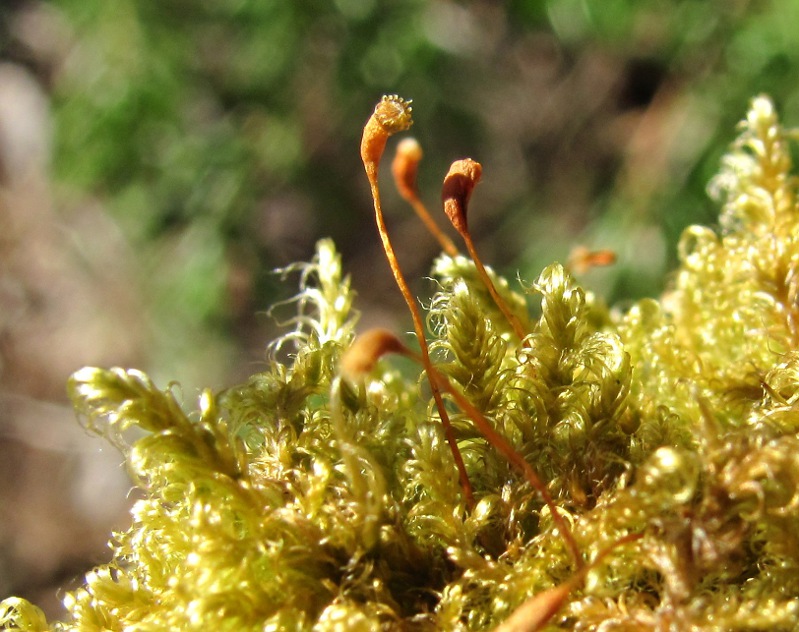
[[269, 508]]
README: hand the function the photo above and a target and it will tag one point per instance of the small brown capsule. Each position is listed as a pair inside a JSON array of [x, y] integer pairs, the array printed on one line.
[[534, 613], [405, 167], [366, 350], [459, 183], [392, 114], [581, 259]]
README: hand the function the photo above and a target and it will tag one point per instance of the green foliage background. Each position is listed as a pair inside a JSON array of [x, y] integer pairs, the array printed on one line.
[[220, 134]]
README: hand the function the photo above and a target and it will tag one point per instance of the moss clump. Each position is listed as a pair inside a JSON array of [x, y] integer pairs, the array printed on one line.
[[301, 500]]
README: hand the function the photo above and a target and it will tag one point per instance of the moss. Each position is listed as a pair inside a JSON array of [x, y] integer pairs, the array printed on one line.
[[666, 437]]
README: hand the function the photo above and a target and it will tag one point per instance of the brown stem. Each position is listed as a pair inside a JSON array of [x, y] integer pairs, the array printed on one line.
[[360, 358], [404, 168], [392, 114], [459, 183], [513, 321], [514, 457], [445, 242], [424, 357]]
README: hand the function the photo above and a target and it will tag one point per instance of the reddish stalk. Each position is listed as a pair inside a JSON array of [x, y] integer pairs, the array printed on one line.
[[459, 183], [404, 169], [392, 115], [368, 347], [513, 457]]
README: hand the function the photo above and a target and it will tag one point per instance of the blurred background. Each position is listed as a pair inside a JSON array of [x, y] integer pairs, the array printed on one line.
[[158, 160]]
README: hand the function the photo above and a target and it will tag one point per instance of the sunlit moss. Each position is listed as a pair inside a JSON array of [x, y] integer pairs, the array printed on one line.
[[304, 500]]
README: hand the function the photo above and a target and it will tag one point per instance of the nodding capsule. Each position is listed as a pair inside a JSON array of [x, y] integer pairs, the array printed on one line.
[[405, 167], [366, 350], [459, 183]]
